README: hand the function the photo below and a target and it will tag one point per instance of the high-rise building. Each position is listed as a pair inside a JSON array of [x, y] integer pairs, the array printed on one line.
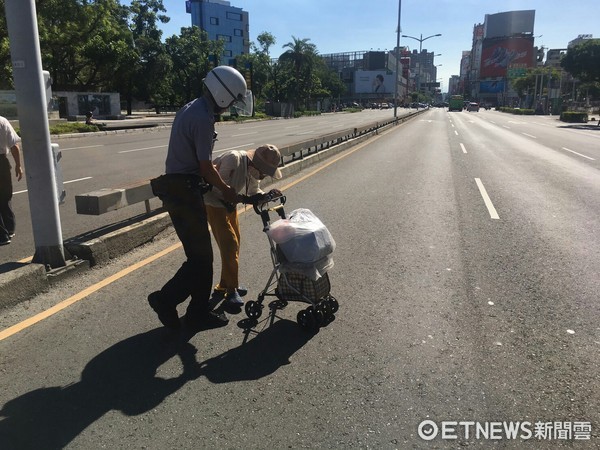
[[222, 22]]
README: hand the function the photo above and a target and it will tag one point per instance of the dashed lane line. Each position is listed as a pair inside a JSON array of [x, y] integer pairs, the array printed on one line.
[[486, 199], [579, 154]]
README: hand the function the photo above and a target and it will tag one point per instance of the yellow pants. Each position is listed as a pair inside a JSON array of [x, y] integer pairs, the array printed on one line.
[[226, 230]]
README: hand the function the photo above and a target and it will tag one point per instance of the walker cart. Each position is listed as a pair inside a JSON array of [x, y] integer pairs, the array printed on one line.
[[286, 285]]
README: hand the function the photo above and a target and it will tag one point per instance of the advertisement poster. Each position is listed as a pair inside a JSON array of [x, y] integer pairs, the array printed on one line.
[[500, 54], [491, 87], [373, 82]]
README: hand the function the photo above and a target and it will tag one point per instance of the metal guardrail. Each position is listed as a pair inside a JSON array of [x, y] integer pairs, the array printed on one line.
[[299, 150], [105, 200]]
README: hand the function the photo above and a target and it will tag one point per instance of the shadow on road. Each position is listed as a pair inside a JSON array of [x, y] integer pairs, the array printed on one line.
[[10, 266], [123, 378], [581, 127]]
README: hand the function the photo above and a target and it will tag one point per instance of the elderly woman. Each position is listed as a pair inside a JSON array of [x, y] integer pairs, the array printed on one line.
[[243, 171]]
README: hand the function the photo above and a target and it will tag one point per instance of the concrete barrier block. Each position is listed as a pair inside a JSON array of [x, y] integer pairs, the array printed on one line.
[[22, 283]]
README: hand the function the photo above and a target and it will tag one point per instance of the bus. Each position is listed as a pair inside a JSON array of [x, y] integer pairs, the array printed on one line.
[[456, 103]]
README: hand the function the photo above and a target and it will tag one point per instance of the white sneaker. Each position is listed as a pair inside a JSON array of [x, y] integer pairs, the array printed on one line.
[[234, 298]]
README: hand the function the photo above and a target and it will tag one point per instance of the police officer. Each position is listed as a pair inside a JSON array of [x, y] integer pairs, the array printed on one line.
[[188, 166]]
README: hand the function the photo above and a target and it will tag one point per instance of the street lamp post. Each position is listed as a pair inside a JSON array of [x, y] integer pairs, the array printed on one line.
[[397, 60], [421, 40]]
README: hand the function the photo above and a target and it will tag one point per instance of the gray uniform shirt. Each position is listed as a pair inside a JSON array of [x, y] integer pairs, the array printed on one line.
[[191, 138]]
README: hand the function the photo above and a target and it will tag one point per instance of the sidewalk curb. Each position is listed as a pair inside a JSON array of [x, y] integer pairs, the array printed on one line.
[[102, 249]]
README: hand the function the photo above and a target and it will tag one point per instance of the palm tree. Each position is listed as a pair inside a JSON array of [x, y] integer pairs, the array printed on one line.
[[301, 55]]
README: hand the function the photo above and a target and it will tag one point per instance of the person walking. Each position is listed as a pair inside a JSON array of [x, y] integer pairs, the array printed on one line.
[[243, 171], [188, 171], [9, 141]]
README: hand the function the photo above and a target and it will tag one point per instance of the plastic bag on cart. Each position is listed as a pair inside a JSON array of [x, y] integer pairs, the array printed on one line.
[[302, 237], [313, 271]]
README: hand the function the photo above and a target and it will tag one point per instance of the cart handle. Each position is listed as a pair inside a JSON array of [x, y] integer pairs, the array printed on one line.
[[266, 207]]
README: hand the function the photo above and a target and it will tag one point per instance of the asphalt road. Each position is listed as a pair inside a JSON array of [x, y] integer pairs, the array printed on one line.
[[94, 162], [466, 270]]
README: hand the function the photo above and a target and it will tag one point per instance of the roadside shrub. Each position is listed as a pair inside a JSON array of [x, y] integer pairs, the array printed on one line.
[[574, 117], [74, 127], [311, 113], [517, 111]]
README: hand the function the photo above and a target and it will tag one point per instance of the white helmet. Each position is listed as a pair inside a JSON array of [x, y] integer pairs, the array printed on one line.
[[226, 85]]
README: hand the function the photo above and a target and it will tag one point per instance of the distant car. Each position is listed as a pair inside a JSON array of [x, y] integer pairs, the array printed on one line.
[[473, 107]]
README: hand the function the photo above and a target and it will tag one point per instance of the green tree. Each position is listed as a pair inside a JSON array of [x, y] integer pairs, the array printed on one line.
[[534, 77], [6, 82], [301, 56], [192, 55], [80, 42], [152, 78], [583, 61], [258, 65]]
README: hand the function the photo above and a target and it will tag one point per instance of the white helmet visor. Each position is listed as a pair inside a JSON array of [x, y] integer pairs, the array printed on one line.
[[244, 105]]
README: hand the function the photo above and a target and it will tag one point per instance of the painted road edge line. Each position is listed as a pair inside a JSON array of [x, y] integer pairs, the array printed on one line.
[[487, 200], [83, 294]]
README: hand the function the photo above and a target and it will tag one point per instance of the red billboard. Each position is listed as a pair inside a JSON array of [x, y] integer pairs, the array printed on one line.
[[500, 54]]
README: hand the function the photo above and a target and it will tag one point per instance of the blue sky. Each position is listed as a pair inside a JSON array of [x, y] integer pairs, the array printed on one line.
[[351, 25]]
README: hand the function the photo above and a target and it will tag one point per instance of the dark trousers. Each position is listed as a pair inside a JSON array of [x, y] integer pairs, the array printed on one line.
[[7, 216], [194, 277]]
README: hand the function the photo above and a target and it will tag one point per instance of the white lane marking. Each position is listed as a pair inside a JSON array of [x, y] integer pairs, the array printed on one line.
[[583, 156], [530, 135], [244, 134], [456, 132], [463, 148], [142, 149], [79, 148], [487, 200], [452, 125], [294, 126], [508, 128], [76, 180], [232, 148], [64, 182]]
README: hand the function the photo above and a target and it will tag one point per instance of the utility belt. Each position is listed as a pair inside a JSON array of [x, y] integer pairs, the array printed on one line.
[[179, 187]]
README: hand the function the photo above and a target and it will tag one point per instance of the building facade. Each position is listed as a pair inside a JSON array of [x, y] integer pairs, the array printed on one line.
[[502, 49], [224, 22], [369, 76]]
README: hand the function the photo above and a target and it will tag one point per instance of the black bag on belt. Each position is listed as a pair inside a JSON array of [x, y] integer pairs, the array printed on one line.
[[178, 186]]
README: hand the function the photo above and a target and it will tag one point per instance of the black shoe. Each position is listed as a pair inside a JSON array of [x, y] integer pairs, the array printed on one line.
[[5, 240], [211, 320], [166, 314]]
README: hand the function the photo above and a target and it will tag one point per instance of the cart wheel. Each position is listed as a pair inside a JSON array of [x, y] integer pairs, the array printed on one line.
[[306, 320], [253, 309], [319, 316], [333, 303], [325, 307]]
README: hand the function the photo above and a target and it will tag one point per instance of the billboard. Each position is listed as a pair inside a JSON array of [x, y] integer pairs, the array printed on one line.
[[500, 54], [509, 23], [491, 87], [373, 82]]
